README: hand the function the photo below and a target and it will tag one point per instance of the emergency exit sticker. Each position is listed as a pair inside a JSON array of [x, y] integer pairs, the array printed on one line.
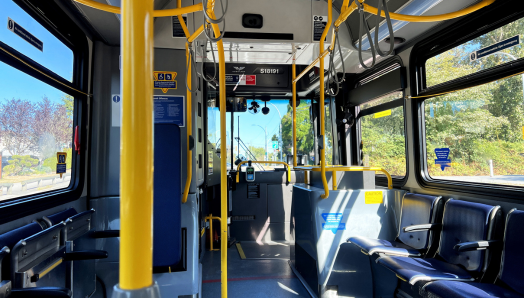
[[333, 222], [374, 197], [319, 23]]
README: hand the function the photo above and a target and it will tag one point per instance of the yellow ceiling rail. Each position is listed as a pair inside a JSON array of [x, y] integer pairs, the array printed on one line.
[[264, 162], [322, 103], [435, 18], [136, 168], [156, 13], [349, 169]]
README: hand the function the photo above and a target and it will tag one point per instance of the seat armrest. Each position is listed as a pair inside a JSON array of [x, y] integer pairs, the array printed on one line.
[[41, 292], [421, 228], [477, 245], [85, 255], [105, 234]]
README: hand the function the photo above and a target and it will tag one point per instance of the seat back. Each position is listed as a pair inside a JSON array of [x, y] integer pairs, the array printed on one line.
[[167, 239], [418, 209], [53, 219], [466, 222], [511, 270]]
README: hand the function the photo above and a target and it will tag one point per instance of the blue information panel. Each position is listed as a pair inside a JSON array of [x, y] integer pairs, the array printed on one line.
[[442, 158], [24, 34], [333, 222], [499, 46], [165, 84], [60, 168], [170, 109]]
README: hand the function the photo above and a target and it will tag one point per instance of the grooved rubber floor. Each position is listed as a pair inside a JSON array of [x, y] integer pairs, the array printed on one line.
[[250, 278]]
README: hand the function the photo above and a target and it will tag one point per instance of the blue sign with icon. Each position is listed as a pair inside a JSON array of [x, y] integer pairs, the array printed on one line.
[[170, 109], [442, 158], [24, 34], [333, 222], [116, 98]]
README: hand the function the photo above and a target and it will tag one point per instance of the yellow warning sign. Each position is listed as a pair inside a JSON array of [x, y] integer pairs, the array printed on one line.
[[164, 80], [382, 114], [61, 163], [374, 197]]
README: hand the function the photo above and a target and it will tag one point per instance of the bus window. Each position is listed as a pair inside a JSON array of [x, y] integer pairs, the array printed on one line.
[[382, 134], [481, 129], [477, 54], [36, 119], [44, 48], [328, 128]]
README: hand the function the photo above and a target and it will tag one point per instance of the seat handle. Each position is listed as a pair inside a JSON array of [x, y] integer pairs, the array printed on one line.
[[421, 228], [477, 245]]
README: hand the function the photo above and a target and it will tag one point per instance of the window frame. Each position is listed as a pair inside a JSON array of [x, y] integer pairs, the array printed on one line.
[[478, 23], [387, 64], [25, 205]]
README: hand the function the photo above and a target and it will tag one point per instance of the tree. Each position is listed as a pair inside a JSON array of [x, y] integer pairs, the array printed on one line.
[[17, 123], [258, 152], [305, 135], [20, 165]]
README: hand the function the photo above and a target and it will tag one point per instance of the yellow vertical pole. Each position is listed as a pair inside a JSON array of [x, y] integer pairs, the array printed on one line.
[[136, 147], [189, 127], [322, 109], [293, 75], [223, 152], [334, 177]]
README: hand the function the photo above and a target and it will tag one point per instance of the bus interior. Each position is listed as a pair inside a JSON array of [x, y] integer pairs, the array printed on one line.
[[298, 148]]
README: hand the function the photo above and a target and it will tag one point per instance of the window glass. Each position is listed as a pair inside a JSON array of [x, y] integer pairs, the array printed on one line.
[[53, 55], [482, 129], [264, 137], [497, 47], [35, 124], [384, 141], [383, 99]]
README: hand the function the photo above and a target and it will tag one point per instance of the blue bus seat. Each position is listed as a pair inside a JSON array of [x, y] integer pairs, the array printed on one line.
[[55, 218], [463, 222], [167, 239], [511, 274], [417, 209]]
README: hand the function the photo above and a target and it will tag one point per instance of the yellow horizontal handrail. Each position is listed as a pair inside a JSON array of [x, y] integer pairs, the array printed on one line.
[[264, 162], [435, 18], [349, 169], [395, 16], [156, 13]]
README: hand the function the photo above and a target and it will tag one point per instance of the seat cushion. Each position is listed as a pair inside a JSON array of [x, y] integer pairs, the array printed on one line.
[[457, 289], [412, 270], [417, 209], [372, 246]]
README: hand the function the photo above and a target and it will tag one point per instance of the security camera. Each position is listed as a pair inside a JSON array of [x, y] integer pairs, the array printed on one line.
[[265, 110]]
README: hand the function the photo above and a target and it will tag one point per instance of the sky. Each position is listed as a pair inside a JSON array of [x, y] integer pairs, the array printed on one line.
[[251, 134], [56, 57]]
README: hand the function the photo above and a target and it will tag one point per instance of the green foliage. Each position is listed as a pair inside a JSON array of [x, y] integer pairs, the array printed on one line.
[[305, 135], [20, 165]]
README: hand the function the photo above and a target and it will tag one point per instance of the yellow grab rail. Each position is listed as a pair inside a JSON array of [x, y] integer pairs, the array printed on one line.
[[294, 86], [189, 117], [265, 162], [156, 13], [321, 104], [223, 149], [210, 219], [136, 167], [349, 169]]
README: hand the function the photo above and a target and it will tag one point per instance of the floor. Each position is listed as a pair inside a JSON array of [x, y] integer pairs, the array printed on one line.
[[250, 278]]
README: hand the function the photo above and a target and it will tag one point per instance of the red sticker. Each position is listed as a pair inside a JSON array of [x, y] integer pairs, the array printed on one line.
[[251, 79]]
